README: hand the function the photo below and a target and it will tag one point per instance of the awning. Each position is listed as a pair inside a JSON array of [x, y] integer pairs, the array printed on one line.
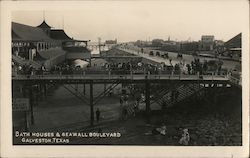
[[235, 49]]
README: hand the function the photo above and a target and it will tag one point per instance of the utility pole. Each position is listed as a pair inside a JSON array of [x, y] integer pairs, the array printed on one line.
[[147, 95], [43, 15], [91, 104], [99, 44]]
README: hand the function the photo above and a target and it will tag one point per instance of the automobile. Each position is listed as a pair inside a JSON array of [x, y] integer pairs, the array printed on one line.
[[179, 55], [157, 53], [165, 55]]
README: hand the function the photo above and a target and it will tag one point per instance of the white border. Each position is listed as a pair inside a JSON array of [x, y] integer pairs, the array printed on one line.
[[8, 150]]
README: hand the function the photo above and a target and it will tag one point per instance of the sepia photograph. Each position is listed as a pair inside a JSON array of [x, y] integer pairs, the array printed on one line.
[[129, 73]]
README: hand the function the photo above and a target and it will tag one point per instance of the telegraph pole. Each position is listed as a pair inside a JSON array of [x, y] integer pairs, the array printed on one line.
[[99, 44]]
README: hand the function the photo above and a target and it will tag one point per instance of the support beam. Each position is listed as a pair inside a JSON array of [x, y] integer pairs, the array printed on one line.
[[105, 88], [41, 91], [147, 96], [91, 104], [24, 90], [76, 87], [215, 96], [45, 90], [31, 103], [36, 95], [84, 89]]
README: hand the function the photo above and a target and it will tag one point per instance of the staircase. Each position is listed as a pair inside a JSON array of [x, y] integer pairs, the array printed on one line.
[[185, 91], [163, 95], [106, 92], [131, 109], [71, 88], [23, 62], [18, 60], [162, 91], [35, 64]]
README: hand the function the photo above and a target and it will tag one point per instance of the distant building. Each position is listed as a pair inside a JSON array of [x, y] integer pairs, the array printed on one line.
[[206, 43], [219, 47], [171, 46], [189, 46], [218, 43], [111, 41]]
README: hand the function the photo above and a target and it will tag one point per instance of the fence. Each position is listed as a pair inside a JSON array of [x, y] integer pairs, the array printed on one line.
[[234, 80]]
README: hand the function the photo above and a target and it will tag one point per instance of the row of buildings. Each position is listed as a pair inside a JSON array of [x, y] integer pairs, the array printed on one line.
[[45, 45], [207, 44]]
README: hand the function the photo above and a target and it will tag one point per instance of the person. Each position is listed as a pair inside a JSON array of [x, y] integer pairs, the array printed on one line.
[[135, 107], [185, 137], [121, 100], [158, 131], [170, 61], [125, 113], [42, 69], [126, 99], [30, 70], [161, 130], [188, 68], [98, 113], [19, 69]]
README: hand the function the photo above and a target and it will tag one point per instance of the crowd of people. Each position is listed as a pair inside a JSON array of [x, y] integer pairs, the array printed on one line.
[[193, 68], [26, 69], [126, 67]]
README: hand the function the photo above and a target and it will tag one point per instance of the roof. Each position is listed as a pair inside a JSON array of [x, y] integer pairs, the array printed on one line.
[[59, 34], [76, 49], [234, 42], [52, 53], [15, 36], [44, 25], [28, 33], [235, 49], [207, 36]]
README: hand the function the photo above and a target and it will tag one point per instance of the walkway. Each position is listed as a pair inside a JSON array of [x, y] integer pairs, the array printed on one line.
[[110, 78]]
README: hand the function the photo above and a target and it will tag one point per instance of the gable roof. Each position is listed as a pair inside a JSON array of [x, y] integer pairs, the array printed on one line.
[[29, 33], [44, 25], [14, 36], [59, 34], [234, 42], [76, 49]]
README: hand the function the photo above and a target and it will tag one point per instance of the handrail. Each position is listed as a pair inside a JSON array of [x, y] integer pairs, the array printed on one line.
[[235, 80], [115, 76], [22, 62]]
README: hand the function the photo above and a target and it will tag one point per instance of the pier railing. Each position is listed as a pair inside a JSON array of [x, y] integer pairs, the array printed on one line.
[[119, 75], [234, 80]]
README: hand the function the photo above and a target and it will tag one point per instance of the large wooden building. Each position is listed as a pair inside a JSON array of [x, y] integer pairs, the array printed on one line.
[[46, 44], [233, 46]]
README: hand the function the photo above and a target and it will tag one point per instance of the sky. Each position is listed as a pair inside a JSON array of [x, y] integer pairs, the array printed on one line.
[[142, 20]]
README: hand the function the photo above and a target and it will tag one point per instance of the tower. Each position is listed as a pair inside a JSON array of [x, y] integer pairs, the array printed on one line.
[[44, 26]]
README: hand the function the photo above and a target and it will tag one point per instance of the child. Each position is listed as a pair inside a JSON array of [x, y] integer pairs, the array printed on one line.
[[185, 137]]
